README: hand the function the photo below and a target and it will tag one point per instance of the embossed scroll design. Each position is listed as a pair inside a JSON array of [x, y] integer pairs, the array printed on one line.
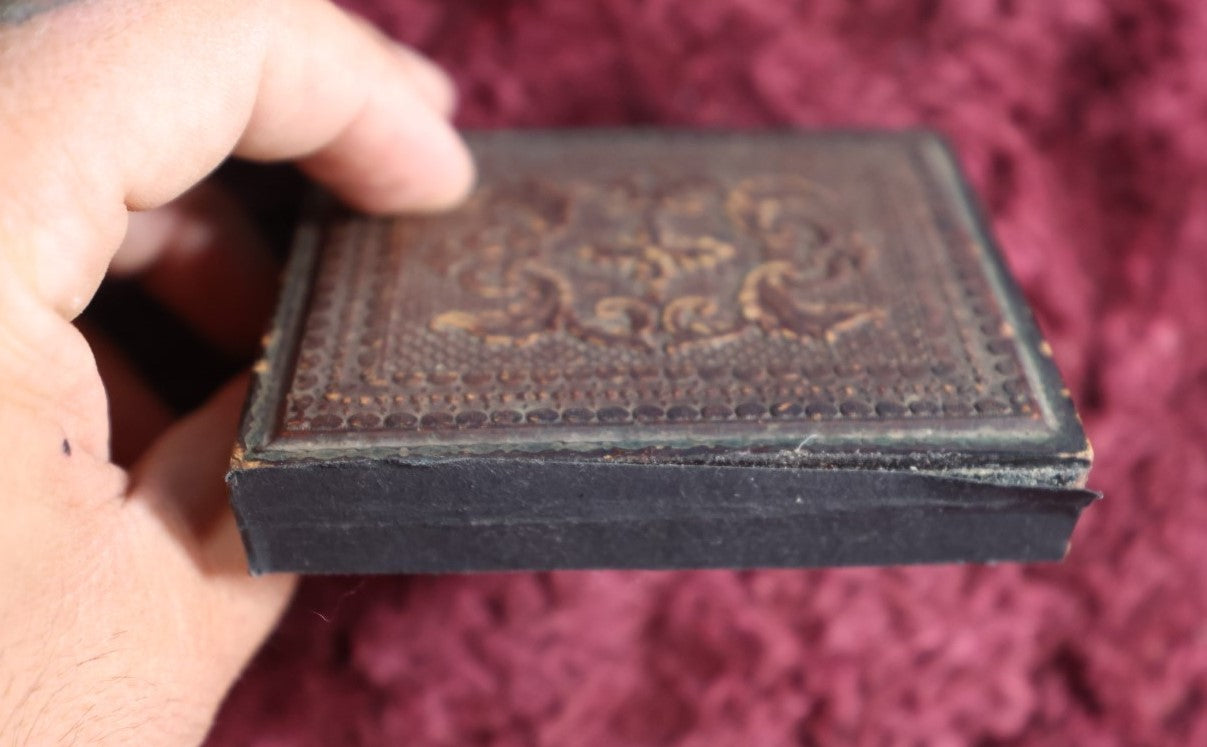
[[651, 265]]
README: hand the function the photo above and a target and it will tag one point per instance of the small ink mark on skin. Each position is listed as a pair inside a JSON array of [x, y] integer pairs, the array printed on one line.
[[66, 447], [14, 12]]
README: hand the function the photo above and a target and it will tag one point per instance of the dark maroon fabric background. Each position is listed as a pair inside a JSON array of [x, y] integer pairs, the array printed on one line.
[[1084, 126]]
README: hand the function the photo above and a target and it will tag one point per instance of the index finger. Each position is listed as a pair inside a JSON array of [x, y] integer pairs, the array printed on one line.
[[108, 106]]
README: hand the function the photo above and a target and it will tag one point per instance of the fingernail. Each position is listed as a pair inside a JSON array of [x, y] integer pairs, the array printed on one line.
[[433, 84]]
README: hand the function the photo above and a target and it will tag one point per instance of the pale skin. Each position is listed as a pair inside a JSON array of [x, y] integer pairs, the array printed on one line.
[[126, 609]]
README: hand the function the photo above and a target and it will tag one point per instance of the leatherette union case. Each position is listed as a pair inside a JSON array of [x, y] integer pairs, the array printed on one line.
[[645, 349]]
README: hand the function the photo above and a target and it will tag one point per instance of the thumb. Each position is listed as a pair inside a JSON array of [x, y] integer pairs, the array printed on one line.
[[131, 615], [187, 534]]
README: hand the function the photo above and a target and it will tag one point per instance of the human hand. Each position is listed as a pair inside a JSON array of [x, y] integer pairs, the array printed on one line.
[[126, 610]]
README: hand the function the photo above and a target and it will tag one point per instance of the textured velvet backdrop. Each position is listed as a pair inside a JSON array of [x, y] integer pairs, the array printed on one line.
[[1084, 125]]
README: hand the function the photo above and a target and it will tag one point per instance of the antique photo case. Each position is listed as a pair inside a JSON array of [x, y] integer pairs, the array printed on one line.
[[650, 349]]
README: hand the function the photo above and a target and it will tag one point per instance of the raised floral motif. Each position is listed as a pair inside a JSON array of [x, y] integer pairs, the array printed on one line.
[[626, 263]]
